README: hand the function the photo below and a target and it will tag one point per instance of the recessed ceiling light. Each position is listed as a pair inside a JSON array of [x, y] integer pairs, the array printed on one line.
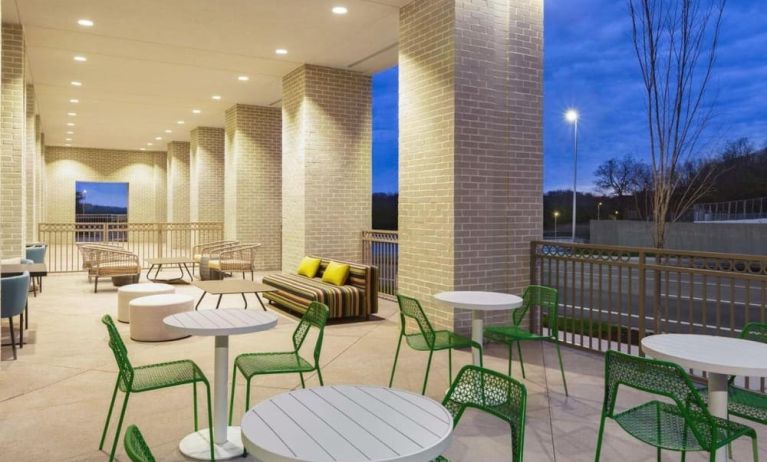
[[76, 83], [196, 111], [142, 149], [243, 78], [70, 124], [68, 139], [85, 22], [74, 101], [158, 138], [67, 145], [168, 131], [81, 59], [180, 122], [281, 51], [72, 114], [149, 144], [339, 10], [216, 97], [70, 132]]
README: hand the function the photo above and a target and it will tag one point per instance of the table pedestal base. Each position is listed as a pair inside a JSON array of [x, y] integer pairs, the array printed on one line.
[[477, 333], [717, 404], [196, 445]]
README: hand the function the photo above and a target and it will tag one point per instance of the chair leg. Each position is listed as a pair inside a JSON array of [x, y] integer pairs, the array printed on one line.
[[194, 398], [109, 414], [600, 436], [562, 369], [96, 285], [21, 330], [657, 454], [394, 366], [426, 377], [755, 448], [119, 427], [247, 394], [13, 337], [26, 316], [210, 422], [521, 361], [231, 395], [301, 374], [511, 355], [684, 455], [449, 367], [319, 375]]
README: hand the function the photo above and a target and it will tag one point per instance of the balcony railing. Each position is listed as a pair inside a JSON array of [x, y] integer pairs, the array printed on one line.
[[147, 240], [612, 297], [381, 248]]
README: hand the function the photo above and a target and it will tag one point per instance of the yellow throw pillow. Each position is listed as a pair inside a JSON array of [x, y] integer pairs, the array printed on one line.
[[309, 267], [336, 273]]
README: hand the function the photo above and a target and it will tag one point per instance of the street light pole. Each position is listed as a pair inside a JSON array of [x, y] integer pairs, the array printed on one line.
[[599, 207], [572, 116], [556, 215]]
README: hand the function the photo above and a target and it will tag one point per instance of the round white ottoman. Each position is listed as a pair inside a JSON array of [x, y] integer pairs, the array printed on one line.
[[127, 293], [147, 313]]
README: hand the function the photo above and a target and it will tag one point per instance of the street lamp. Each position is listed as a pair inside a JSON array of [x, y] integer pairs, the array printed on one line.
[[572, 117], [599, 206], [556, 215]]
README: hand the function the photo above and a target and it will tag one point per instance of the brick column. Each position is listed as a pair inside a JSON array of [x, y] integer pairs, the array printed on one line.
[[253, 180], [161, 187], [326, 149], [471, 153], [12, 131], [30, 163], [206, 170], [178, 181]]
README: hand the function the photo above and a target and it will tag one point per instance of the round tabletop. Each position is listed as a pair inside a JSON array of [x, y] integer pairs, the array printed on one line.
[[710, 353], [230, 321], [347, 422], [484, 301]]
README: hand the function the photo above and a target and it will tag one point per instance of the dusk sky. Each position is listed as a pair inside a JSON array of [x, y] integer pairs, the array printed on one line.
[[104, 193], [590, 65]]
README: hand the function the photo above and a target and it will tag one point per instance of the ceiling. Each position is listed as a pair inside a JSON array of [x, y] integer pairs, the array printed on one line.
[[150, 63]]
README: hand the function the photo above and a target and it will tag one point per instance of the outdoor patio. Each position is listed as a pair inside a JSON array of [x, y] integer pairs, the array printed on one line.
[[54, 399]]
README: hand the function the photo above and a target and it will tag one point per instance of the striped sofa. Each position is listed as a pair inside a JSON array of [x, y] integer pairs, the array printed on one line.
[[358, 298]]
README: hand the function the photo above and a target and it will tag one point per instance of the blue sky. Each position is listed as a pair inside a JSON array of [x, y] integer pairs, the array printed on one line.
[[100, 193], [590, 65]]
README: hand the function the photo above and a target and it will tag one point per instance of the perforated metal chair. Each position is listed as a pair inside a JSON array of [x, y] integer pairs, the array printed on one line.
[[494, 393], [547, 299], [13, 301], [136, 447], [427, 339], [139, 379], [683, 424], [285, 362]]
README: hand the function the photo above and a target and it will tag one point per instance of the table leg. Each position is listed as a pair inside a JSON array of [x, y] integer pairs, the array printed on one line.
[[191, 276], [220, 296], [245, 300], [157, 274], [717, 404], [151, 267], [477, 331], [199, 301], [227, 440], [260, 301]]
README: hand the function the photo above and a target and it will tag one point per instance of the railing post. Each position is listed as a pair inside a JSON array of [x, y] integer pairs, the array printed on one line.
[[160, 239], [105, 232], [535, 315], [642, 297]]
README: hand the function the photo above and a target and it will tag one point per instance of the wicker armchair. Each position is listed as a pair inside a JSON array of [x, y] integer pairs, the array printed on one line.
[[88, 253], [236, 259], [201, 254], [109, 261]]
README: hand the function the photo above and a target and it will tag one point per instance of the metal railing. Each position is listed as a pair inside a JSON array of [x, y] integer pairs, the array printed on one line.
[[101, 218], [147, 240], [739, 210], [381, 248], [611, 297]]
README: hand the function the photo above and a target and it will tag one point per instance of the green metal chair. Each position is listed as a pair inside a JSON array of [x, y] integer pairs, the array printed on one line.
[[136, 447], [547, 299], [683, 424], [494, 393], [287, 362], [132, 379], [427, 339]]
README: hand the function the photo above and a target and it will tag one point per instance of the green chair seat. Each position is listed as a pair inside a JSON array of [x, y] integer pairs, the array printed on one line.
[[271, 363], [748, 404], [443, 340], [502, 333], [662, 425], [163, 375], [136, 447]]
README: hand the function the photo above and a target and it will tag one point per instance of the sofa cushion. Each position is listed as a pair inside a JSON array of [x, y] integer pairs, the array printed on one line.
[[297, 291], [309, 267], [336, 273]]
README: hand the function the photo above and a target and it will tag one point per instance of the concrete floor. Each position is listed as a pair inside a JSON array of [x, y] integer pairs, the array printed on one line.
[[54, 398]]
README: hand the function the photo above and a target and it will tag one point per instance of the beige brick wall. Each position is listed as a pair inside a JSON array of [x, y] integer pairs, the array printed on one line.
[[64, 166], [253, 180], [13, 133], [470, 148], [206, 167], [178, 181], [326, 163]]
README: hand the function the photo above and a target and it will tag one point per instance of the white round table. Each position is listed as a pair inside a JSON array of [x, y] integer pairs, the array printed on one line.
[[478, 302], [720, 357], [221, 324], [347, 423]]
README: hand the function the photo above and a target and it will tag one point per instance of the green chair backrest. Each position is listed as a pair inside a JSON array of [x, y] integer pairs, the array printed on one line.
[[411, 308], [492, 392], [120, 352], [660, 378], [136, 447], [547, 298], [316, 315], [756, 331]]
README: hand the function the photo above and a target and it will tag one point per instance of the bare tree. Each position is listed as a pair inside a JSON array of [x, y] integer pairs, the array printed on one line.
[[675, 42]]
